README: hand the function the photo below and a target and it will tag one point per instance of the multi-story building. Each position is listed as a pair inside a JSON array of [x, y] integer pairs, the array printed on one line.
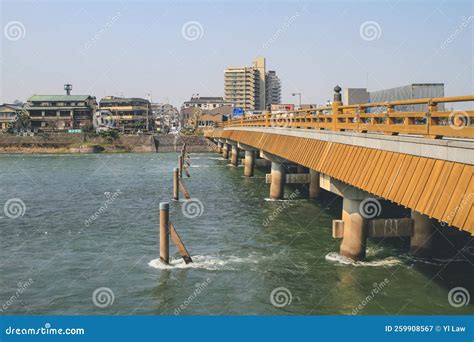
[[198, 118], [214, 117], [8, 114], [272, 88], [407, 92], [245, 86], [129, 115], [166, 117], [252, 88], [61, 112], [189, 116], [206, 103]]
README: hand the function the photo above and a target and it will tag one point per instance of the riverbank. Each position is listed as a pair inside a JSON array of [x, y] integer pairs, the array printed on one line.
[[92, 143]]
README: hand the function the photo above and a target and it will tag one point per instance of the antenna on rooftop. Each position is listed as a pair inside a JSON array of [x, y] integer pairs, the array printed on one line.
[[68, 88]]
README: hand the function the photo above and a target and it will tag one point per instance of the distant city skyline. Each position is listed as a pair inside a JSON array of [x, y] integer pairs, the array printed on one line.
[[172, 50]]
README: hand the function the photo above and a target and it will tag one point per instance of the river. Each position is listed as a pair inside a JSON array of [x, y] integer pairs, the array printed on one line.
[[84, 240]]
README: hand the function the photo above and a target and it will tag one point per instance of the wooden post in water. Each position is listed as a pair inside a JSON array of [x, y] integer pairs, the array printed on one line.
[[164, 232], [180, 165], [176, 184], [180, 245]]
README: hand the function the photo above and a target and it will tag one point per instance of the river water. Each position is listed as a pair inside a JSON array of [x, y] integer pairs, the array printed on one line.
[[86, 242]]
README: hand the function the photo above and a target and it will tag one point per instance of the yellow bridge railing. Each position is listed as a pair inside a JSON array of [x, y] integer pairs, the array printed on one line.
[[430, 123]]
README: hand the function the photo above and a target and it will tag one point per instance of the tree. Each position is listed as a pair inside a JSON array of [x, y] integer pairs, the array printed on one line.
[[22, 121]]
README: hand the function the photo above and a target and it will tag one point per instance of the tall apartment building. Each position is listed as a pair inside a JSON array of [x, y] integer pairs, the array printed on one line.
[[245, 86], [272, 88]]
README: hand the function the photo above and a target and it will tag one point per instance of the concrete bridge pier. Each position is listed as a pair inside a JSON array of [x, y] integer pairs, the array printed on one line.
[[249, 163], [301, 169], [421, 242], [314, 186], [278, 175], [354, 223], [225, 150], [234, 159], [354, 239], [249, 160], [219, 147], [277, 186]]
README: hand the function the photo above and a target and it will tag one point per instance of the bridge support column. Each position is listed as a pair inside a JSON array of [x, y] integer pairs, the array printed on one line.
[[235, 155], [225, 151], [314, 187], [278, 181], [421, 243], [219, 147], [301, 169], [249, 163], [354, 239]]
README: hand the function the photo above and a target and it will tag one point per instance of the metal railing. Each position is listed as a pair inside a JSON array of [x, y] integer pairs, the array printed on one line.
[[430, 123]]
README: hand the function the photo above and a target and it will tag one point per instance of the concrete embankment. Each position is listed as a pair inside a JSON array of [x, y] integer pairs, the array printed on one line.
[[173, 143], [92, 143]]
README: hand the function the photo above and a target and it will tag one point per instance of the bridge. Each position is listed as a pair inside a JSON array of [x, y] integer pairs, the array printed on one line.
[[373, 156]]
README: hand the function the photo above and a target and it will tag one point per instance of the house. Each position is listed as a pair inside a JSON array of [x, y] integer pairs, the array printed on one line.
[[8, 113], [61, 112]]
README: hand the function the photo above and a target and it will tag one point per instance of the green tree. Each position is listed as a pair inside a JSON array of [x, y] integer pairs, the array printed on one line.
[[21, 121]]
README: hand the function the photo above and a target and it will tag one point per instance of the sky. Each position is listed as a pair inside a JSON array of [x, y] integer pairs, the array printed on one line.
[[174, 49]]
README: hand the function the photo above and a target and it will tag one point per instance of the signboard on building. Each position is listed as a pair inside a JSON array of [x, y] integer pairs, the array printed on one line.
[[237, 111], [280, 107]]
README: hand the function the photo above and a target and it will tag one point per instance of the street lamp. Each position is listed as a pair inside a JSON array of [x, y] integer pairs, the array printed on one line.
[[299, 95]]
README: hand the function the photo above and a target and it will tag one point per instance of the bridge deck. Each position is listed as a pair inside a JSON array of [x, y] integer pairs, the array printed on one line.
[[437, 184]]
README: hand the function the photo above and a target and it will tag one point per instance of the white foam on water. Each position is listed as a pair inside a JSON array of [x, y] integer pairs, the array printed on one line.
[[285, 200], [387, 262], [206, 262], [275, 200]]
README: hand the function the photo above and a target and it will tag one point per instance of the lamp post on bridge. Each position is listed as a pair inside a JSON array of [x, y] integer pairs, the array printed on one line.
[[299, 95]]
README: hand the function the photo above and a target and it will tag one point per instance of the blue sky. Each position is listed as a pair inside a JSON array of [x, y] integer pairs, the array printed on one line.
[[133, 48]]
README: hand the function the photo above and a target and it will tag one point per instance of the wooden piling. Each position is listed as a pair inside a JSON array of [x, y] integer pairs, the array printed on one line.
[[180, 166], [179, 244], [164, 232], [176, 184], [183, 189]]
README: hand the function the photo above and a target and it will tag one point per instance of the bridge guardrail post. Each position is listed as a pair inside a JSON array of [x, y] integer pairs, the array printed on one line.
[[389, 119], [430, 121]]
